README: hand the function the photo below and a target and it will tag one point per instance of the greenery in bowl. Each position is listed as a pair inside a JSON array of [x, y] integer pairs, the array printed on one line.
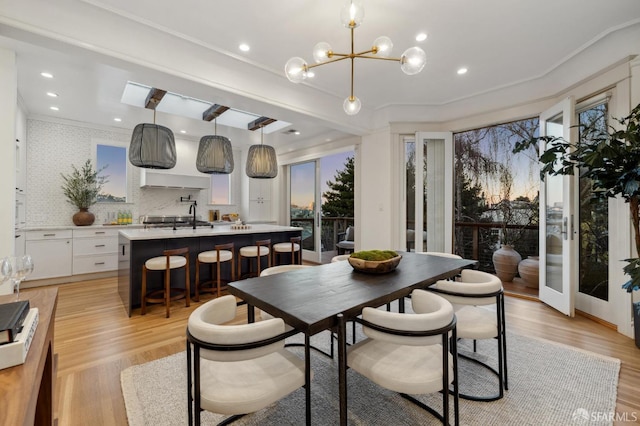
[[82, 186], [375, 255]]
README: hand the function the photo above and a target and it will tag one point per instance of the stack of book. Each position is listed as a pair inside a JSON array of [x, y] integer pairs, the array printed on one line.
[[17, 326]]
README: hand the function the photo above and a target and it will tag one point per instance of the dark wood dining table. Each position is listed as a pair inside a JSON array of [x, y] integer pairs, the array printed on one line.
[[325, 297]]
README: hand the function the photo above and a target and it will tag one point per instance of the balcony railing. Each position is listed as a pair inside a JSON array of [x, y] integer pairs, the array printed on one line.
[[476, 240], [479, 240], [331, 228]]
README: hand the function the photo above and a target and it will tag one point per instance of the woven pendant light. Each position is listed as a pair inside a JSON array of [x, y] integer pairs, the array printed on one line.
[[215, 155], [261, 160], [152, 146]]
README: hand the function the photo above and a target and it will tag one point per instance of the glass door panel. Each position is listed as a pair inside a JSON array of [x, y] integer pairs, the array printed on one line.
[[593, 295], [429, 192], [302, 209], [557, 242], [321, 194]]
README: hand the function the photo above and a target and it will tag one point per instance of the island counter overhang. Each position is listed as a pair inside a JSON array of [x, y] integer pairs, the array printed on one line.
[[135, 246]]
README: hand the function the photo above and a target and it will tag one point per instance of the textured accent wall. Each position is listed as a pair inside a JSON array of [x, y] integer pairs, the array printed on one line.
[[53, 147]]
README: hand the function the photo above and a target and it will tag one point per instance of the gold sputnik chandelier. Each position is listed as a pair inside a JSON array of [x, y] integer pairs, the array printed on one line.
[[412, 60]]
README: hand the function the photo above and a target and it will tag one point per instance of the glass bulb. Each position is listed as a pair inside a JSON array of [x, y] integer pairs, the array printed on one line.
[[321, 52], [296, 69], [384, 45], [352, 14], [352, 105], [413, 60]]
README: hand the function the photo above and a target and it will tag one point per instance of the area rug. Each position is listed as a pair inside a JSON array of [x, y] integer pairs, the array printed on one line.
[[549, 384]]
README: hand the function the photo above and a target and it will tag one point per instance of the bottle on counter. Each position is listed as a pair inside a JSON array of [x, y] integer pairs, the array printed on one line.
[[120, 217]]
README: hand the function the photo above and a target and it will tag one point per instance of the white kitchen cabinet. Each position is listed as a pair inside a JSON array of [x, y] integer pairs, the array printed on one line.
[[51, 253], [260, 200], [95, 250]]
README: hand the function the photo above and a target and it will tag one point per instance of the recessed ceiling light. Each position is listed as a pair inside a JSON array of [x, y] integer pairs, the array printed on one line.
[[421, 37], [183, 131], [53, 95], [244, 47], [46, 74], [118, 119], [462, 71], [311, 74], [54, 108], [296, 132]]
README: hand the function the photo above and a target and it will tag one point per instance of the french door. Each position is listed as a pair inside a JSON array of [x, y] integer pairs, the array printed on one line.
[[558, 235], [428, 186]]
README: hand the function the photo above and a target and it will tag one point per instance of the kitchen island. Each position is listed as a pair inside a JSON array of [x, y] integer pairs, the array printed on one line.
[[135, 246]]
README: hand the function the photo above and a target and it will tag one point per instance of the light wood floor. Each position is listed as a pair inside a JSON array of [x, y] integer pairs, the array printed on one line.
[[95, 341]]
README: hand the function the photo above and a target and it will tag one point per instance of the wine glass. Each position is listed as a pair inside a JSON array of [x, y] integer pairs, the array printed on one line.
[[5, 269], [23, 267], [27, 265]]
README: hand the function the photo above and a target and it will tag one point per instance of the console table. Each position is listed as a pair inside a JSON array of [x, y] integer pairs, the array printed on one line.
[[27, 390]]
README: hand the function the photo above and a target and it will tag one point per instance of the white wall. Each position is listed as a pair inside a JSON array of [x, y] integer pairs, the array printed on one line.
[[374, 225], [8, 106], [52, 147]]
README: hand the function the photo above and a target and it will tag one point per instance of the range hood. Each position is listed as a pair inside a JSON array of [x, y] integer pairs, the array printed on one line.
[[150, 178]]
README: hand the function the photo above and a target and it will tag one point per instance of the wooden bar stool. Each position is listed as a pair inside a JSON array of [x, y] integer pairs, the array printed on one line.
[[260, 249], [293, 247], [171, 259], [221, 253]]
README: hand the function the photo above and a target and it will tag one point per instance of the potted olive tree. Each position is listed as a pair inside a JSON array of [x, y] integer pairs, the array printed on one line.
[[611, 160], [81, 187]]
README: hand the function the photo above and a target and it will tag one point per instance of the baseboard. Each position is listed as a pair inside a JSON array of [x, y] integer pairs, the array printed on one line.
[[68, 279]]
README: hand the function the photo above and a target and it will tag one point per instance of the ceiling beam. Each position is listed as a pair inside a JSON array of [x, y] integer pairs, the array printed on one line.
[[214, 111], [154, 97], [260, 122]]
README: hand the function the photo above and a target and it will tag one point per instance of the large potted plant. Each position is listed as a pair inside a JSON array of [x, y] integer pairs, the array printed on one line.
[[611, 160], [81, 187]]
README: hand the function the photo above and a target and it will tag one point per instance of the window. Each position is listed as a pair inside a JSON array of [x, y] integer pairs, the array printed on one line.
[[496, 191], [220, 189], [111, 161]]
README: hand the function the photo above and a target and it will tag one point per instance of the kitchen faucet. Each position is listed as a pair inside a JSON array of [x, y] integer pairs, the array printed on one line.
[[193, 207]]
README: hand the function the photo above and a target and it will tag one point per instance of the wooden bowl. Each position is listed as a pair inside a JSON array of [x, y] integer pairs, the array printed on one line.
[[374, 266]]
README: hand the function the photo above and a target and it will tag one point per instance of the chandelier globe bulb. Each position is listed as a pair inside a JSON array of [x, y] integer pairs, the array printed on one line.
[[352, 105], [296, 69], [413, 60], [383, 46], [321, 52], [352, 14]]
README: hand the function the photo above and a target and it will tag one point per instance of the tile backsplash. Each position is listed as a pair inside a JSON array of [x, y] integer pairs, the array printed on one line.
[[53, 147]]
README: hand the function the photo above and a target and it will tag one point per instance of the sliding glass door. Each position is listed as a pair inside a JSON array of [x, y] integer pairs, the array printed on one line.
[[302, 209], [321, 193]]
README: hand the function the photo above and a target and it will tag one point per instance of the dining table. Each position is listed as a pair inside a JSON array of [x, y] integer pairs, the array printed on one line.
[[326, 297]]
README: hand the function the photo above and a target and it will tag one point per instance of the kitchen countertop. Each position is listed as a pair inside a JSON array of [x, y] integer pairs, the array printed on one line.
[[65, 227], [164, 233]]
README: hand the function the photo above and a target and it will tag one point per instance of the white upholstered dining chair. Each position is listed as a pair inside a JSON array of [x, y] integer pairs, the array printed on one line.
[[470, 294], [237, 369], [411, 353]]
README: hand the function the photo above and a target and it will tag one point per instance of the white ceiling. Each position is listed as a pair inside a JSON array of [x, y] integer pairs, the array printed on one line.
[[516, 51]]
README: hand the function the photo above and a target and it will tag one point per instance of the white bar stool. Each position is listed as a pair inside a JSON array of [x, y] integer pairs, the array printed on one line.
[[171, 259], [260, 249], [221, 253], [293, 247]]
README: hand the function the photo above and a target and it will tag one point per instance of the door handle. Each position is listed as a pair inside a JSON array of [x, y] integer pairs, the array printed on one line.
[[565, 227]]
